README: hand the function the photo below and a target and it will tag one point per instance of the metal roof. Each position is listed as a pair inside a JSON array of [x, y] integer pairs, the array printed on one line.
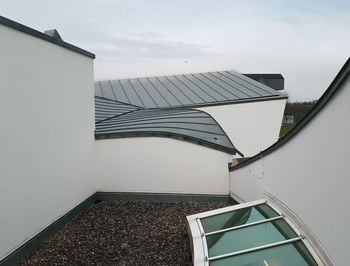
[[199, 89], [105, 108], [116, 120]]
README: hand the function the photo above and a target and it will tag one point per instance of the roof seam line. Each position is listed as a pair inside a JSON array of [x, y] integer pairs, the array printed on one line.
[[110, 84], [199, 88], [150, 118], [116, 116], [210, 87], [168, 90], [138, 96], [99, 83], [121, 86], [179, 89], [189, 88], [161, 95], [117, 101], [250, 82], [247, 95], [139, 80], [220, 86], [241, 85]]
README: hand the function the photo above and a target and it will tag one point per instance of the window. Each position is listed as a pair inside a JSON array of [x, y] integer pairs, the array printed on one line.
[[254, 233]]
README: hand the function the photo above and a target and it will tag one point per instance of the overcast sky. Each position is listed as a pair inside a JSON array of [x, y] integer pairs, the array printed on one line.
[[306, 41]]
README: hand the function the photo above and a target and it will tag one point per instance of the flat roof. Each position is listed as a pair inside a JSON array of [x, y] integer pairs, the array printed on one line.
[[187, 90], [38, 34]]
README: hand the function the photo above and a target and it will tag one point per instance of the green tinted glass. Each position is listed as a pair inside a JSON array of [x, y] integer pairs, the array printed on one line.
[[238, 217], [286, 255], [249, 237]]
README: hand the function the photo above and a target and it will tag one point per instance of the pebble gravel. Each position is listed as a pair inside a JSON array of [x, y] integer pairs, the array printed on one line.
[[123, 233]]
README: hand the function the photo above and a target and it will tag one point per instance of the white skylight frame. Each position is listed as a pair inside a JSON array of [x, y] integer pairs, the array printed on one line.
[[200, 254]]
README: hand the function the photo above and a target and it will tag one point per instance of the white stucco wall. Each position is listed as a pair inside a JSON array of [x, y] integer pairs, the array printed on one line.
[[164, 165], [252, 127], [46, 136], [310, 174]]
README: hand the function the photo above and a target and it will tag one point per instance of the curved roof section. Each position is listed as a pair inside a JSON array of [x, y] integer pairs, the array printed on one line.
[[185, 124], [201, 89], [321, 103], [20, 27], [105, 108]]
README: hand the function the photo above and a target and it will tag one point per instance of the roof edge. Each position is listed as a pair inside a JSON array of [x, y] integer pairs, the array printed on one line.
[[268, 75], [237, 151], [321, 103], [35, 33], [228, 102], [200, 105], [172, 135], [133, 105]]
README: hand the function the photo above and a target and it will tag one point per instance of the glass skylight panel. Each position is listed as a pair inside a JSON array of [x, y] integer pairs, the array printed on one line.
[[255, 234], [238, 217], [247, 237], [286, 255]]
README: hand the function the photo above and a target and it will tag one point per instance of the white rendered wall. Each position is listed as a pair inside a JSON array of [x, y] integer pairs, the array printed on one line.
[[46, 136], [163, 165], [310, 174], [252, 127]]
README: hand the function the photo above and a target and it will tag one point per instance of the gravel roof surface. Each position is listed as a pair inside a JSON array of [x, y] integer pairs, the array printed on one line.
[[123, 233]]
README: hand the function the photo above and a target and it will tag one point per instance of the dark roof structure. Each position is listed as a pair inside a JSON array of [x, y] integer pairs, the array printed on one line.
[[54, 33], [118, 120], [275, 81], [188, 90], [105, 108], [161, 106], [49, 36], [321, 103]]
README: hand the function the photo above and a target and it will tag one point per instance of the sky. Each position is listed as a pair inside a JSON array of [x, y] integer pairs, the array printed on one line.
[[306, 41]]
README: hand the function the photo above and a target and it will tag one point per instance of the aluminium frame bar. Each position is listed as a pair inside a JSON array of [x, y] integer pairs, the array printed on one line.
[[244, 225], [232, 254], [227, 209], [204, 241]]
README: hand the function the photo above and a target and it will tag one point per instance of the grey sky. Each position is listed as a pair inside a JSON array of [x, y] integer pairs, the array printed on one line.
[[306, 41]]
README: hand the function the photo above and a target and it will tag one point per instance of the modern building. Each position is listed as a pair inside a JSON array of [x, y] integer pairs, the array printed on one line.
[[249, 113], [273, 80], [47, 131], [299, 173], [174, 135]]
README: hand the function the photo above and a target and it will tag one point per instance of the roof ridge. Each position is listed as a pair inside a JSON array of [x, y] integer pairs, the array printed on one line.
[[167, 75]]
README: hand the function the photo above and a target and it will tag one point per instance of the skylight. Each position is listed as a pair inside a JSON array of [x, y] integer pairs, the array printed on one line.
[[254, 233]]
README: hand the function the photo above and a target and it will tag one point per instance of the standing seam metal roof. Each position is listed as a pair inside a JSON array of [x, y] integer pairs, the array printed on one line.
[[185, 90], [117, 120], [105, 108]]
